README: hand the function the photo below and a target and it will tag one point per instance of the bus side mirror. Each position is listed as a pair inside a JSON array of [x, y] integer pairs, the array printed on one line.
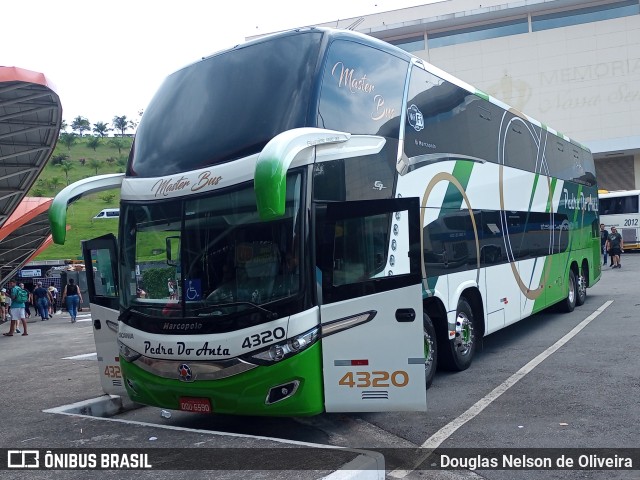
[[173, 250]]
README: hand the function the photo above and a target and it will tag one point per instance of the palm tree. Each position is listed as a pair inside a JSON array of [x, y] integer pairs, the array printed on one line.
[[54, 183], [66, 167], [80, 124], [101, 129], [120, 123], [95, 164], [93, 142]]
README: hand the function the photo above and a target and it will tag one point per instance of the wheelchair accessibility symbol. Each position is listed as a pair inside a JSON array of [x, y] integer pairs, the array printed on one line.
[[193, 290]]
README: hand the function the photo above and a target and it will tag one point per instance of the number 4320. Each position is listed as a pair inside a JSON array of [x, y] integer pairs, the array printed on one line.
[[382, 379]]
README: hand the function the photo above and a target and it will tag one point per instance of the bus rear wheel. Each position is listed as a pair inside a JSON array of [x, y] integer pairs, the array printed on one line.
[[457, 354], [430, 349], [581, 288]]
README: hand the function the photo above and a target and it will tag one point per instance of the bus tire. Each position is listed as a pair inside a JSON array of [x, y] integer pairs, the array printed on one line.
[[581, 288], [457, 354], [569, 303], [430, 349]]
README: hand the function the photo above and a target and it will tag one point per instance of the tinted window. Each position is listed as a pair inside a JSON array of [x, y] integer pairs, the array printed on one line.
[[362, 90], [608, 206], [227, 106], [437, 116]]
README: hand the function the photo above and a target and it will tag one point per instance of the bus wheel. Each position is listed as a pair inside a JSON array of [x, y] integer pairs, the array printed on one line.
[[569, 303], [581, 289], [456, 354], [430, 349]]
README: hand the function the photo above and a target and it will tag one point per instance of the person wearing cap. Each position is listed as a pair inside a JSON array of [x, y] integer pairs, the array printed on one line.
[[53, 291], [42, 301]]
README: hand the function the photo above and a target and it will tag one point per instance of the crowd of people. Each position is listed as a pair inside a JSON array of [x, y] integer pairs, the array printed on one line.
[[16, 301]]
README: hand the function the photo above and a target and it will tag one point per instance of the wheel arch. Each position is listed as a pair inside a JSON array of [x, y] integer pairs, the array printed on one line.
[[473, 296]]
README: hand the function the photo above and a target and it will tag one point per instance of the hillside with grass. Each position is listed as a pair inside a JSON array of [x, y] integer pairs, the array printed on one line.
[[72, 161]]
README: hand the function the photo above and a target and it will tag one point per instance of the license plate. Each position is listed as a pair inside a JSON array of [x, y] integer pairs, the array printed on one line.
[[196, 405]]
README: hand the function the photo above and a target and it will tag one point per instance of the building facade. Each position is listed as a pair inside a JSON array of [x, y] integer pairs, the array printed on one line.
[[571, 64]]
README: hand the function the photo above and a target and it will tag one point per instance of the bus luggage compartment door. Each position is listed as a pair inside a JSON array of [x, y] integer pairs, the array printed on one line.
[[371, 314]]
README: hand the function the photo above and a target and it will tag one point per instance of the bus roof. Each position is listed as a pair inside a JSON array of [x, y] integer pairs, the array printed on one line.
[[617, 193]]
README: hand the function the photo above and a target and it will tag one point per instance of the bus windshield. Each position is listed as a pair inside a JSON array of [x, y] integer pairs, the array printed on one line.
[[210, 256]]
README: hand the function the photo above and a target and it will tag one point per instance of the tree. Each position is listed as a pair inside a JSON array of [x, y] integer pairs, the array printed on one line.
[[54, 183], [108, 197], [81, 124], [66, 167], [101, 129], [63, 126], [58, 158], [121, 123], [93, 142], [95, 164], [68, 139], [117, 143]]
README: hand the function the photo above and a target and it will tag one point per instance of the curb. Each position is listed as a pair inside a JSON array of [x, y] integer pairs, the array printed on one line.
[[368, 465]]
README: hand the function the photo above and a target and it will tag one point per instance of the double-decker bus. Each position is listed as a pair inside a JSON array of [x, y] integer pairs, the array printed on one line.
[[318, 219], [620, 209]]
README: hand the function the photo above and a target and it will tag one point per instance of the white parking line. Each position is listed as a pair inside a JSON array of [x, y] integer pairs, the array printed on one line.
[[435, 440], [83, 356]]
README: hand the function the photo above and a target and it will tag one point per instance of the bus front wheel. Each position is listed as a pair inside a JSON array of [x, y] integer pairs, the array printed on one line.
[[430, 349], [569, 303], [457, 354]]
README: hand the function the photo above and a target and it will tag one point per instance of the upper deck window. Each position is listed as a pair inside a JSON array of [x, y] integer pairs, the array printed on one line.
[[227, 106]]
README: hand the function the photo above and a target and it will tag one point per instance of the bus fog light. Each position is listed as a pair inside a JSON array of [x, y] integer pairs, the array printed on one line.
[[280, 392], [131, 385]]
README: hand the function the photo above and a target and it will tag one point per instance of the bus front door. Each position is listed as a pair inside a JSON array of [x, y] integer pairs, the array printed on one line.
[[370, 292], [100, 257]]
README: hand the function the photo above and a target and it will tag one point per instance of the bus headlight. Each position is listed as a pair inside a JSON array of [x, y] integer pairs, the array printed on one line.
[[284, 349], [128, 354]]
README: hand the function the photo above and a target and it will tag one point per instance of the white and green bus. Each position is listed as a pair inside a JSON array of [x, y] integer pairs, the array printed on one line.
[[620, 209], [338, 218]]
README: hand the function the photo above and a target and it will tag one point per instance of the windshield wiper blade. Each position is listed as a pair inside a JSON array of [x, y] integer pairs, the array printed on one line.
[[270, 315]]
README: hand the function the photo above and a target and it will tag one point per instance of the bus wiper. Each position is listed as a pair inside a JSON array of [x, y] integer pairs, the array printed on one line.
[[270, 315]]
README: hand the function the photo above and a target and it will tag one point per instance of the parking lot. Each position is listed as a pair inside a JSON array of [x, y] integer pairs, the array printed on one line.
[[560, 381]]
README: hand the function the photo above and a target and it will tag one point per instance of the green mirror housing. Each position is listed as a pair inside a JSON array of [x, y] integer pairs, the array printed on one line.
[[274, 161], [71, 193]]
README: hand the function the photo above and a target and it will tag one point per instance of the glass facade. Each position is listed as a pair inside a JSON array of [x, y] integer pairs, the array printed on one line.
[[480, 32], [585, 15], [411, 44]]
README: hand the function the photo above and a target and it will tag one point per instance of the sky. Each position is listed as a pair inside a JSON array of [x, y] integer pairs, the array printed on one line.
[[108, 58]]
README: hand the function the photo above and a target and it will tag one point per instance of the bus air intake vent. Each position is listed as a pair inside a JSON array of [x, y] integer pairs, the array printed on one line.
[[375, 395]]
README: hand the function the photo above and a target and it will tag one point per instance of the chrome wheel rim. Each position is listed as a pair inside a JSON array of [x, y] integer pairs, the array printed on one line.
[[428, 352], [464, 334]]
